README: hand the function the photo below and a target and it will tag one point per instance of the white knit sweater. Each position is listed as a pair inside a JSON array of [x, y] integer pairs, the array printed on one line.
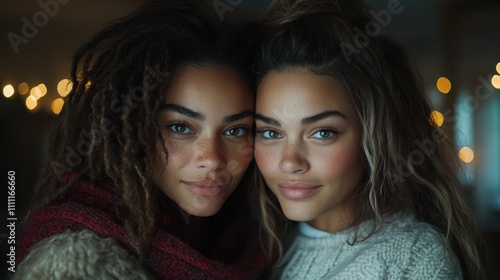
[[404, 248]]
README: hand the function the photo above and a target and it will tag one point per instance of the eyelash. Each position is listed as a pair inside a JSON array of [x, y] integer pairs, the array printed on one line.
[[325, 139], [260, 134], [242, 130]]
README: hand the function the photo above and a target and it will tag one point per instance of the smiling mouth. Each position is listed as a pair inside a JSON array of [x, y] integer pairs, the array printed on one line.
[[297, 190], [205, 188]]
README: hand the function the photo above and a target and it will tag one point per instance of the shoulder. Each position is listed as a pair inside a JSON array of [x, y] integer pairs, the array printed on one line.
[[417, 248], [408, 231], [81, 255]]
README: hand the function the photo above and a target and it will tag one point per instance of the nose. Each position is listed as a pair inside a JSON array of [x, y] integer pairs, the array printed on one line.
[[210, 154], [293, 160]]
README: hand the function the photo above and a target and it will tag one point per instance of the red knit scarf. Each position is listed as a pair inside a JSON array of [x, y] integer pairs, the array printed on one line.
[[88, 206]]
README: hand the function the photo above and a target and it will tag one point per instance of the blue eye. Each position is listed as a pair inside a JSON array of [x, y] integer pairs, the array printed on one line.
[[236, 131], [323, 134], [270, 134], [180, 128]]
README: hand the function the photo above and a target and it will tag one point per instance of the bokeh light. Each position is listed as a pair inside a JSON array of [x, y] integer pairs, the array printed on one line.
[[64, 87], [43, 89], [36, 93], [31, 102], [23, 88], [57, 105], [8, 91], [495, 81], [466, 154], [443, 85], [437, 118]]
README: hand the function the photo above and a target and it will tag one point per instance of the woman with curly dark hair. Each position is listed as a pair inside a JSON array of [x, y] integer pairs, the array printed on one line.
[[149, 159]]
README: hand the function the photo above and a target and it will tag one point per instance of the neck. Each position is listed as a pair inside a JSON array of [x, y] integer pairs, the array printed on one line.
[[333, 221], [198, 232], [195, 232]]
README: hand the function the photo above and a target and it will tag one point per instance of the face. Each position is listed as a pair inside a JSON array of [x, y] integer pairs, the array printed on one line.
[[206, 124], [308, 146]]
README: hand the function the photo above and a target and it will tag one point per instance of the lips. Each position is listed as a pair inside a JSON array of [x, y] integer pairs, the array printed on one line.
[[297, 190], [206, 188]]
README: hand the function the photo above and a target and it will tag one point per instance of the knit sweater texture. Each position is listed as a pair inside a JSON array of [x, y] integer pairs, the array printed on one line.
[[402, 248], [80, 255]]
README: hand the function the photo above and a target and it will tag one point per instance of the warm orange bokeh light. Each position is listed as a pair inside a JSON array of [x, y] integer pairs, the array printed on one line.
[[57, 105], [23, 88], [43, 89], [495, 81], [437, 118], [466, 154], [31, 102], [443, 85], [64, 87]]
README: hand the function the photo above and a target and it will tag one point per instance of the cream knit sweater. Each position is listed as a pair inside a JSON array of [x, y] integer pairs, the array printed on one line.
[[403, 248], [80, 255]]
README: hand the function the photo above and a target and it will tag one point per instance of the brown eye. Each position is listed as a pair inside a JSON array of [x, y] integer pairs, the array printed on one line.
[[237, 131], [180, 128]]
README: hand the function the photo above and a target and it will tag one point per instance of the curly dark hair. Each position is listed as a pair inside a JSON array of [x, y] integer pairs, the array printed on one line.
[[107, 130]]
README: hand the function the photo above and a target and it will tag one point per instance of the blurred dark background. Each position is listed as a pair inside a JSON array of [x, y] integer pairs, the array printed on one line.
[[455, 40]]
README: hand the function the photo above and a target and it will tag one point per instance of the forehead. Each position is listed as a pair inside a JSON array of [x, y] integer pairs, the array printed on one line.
[[301, 92], [210, 88]]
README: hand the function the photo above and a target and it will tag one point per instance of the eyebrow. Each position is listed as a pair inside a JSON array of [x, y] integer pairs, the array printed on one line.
[[183, 111], [304, 121], [237, 117], [200, 117], [267, 120], [322, 116]]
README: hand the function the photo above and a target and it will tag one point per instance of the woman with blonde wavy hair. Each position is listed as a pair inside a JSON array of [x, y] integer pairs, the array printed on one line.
[[346, 148]]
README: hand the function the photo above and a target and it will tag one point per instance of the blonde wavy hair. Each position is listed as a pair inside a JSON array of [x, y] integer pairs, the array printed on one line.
[[410, 164]]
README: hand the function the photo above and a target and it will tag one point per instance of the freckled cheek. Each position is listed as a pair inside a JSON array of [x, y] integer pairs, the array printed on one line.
[[339, 162], [242, 147], [240, 155], [266, 160]]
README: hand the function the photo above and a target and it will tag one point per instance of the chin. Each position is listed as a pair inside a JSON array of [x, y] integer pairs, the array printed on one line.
[[298, 215], [298, 218], [202, 210]]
